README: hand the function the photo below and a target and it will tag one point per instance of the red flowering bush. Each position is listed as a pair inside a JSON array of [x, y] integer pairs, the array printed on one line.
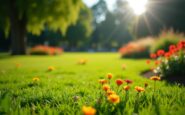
[[136, 49], [171, 64], [45, 50]]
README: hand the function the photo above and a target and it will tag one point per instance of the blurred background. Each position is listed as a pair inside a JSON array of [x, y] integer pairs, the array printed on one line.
[[89, 25]]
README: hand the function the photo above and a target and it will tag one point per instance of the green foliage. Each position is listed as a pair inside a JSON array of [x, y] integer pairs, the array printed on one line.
[[57, 90], [56, 14], [165, 39], [173, 67], [163, 43], [81, 31]]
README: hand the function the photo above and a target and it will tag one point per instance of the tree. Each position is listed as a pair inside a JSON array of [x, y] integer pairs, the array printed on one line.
[[113, 31], [22, 16], [81, 31], [99, 11]]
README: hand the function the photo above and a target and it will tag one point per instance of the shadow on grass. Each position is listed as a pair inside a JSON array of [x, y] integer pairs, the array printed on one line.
[[5, 55], [178, 79]]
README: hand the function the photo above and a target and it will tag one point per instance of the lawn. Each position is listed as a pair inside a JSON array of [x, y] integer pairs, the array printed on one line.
[[70, 86]]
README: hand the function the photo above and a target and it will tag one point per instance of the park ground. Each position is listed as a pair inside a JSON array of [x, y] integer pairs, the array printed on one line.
[[71, 85]]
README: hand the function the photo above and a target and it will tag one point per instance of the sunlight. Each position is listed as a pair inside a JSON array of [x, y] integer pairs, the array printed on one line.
[[138, 6]]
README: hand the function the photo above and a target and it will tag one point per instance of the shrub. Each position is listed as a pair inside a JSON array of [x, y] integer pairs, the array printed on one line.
[[45, 50], [137, 49], [170, 65], [165, 39]]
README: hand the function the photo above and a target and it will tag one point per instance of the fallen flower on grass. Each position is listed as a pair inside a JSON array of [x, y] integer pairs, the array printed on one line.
[[147, 61], [18, 65], [51, 68], [82, 61]]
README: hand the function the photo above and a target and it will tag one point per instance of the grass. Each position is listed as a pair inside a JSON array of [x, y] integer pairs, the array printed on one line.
[[70, 86]]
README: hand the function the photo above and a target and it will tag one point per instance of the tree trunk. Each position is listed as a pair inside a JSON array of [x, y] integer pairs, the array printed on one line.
[[18, 30]]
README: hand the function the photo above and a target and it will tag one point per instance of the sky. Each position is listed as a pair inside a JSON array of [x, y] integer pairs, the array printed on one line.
[[90, 3]]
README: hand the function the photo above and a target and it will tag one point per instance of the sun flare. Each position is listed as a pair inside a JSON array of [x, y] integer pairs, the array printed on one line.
[[138, 6]]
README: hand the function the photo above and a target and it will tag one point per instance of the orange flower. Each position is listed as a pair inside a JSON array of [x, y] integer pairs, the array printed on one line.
[[119, 82], [139, 89], [88, 110], [102, 81], [51, 68], [147, 61], [109, 92], [106, 87], [109, 75], [35, 79], [114, 98], [155, 78], [126, 88]]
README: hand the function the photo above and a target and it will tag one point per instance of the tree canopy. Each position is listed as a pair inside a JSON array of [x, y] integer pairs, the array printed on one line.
[[21, 16], [56, 14]]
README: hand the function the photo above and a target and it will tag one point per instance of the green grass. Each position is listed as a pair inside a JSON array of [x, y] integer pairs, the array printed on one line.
[[56, 92]]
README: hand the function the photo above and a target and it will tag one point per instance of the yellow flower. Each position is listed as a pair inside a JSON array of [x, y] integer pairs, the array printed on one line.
[[102, 81], [106, 87], [35, 79], [88, 110], [114, 98], [82, 61], [139, 89], [51, 68], [155, 78], [126, 88], [110, 92], [109, 75]]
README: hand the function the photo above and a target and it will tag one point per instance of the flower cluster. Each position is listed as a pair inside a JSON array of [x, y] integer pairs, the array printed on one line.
[[171, 62], [173, 50], [45, 50], [113, 94]]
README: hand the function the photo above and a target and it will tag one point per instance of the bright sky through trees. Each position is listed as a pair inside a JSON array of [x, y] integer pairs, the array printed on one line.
[[90, 3], [138, 6]]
